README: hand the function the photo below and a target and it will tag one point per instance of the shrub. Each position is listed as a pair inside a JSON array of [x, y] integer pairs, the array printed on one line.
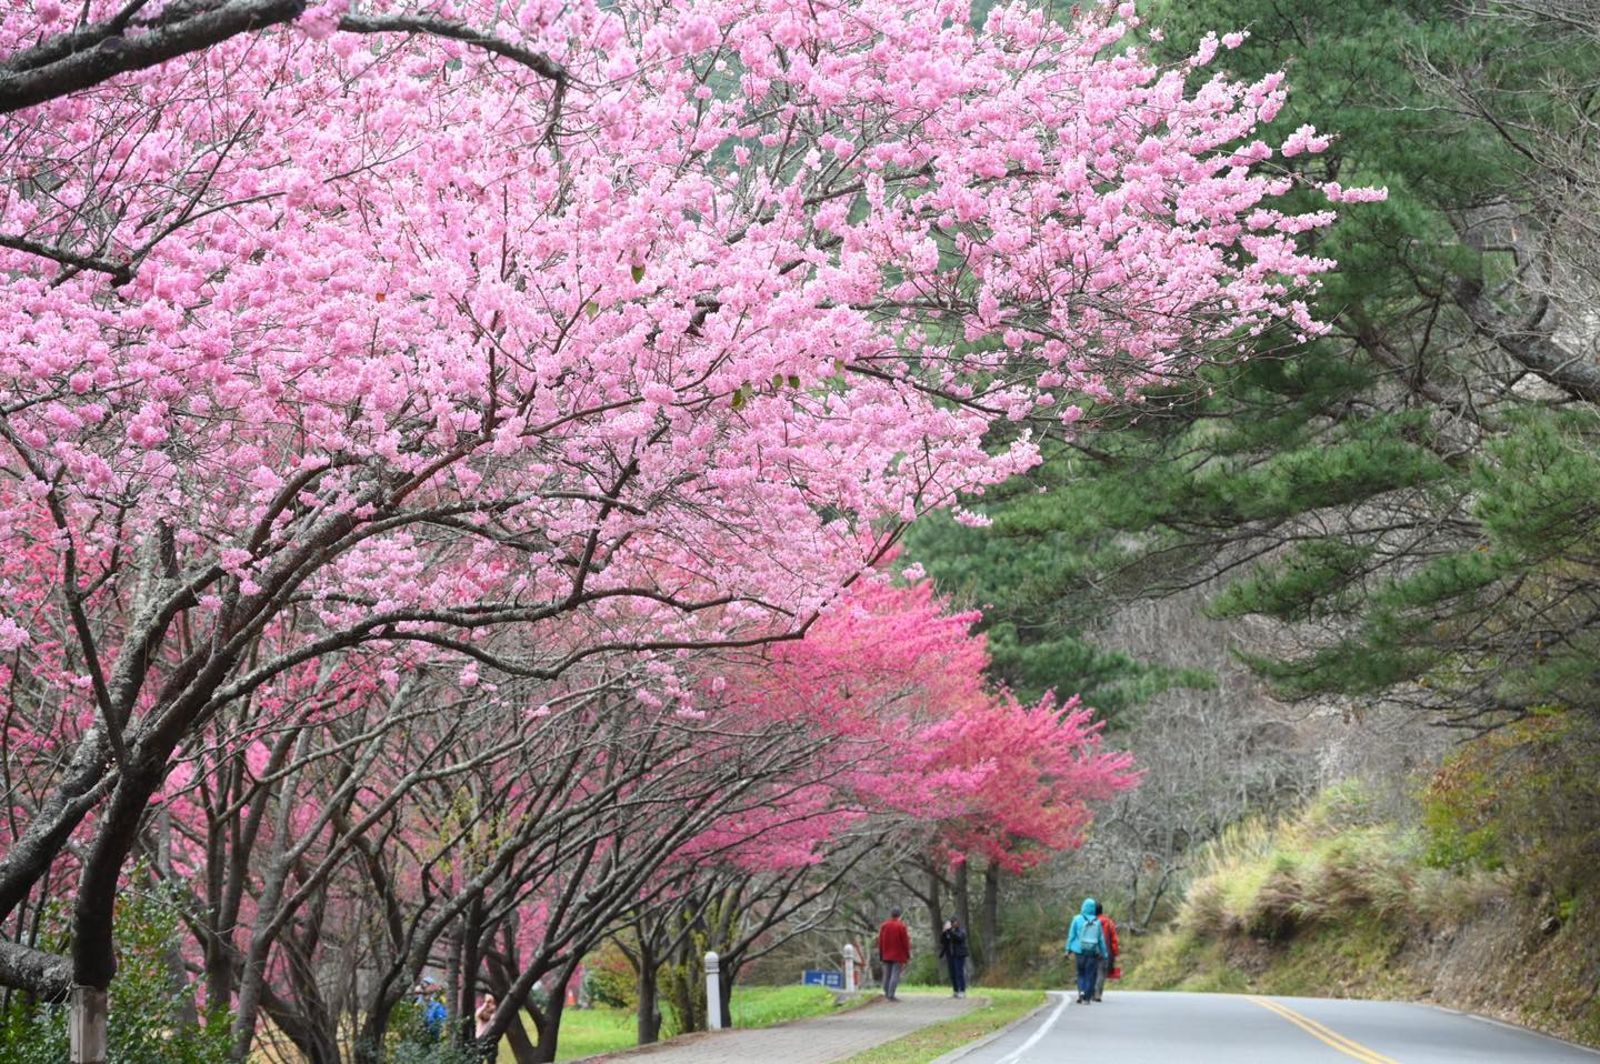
[[925, 969], [1528, 793], [439, 1053], [611, 978], [148, 1007]]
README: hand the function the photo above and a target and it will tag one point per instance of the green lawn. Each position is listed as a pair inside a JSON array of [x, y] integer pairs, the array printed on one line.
[[588, 1032], [763, 1006]]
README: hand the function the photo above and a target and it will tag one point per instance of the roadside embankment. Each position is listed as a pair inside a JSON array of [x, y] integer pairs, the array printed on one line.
[[1488, 902]]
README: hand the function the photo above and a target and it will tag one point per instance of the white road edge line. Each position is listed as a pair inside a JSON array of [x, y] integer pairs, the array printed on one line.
[[1518, 1029], [1016, 1055]]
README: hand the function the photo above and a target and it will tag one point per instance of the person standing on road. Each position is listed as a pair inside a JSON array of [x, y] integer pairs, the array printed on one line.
[[1086, 944], [953, 948], [1113, 948], [894, 949]]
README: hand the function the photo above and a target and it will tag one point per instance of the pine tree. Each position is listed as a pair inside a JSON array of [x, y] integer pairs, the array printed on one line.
[[1412, 492]]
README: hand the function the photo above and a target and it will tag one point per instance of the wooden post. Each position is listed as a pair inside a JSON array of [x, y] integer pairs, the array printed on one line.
[[86, 1025]]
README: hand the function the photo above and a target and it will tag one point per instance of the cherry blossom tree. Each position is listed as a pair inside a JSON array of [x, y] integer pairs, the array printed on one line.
[[978, 775], [922, 749], [514, 337], [422, 827], [504, 845]]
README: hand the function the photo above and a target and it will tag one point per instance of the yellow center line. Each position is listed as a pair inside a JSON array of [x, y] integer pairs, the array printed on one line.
[[1349, 1047]]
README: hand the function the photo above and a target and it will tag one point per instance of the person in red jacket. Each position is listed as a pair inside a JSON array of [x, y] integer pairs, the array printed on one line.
[[1108, 960], [894, 949]]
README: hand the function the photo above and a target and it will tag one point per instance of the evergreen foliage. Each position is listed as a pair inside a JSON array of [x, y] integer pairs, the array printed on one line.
[[1026, 575], [1413, 493]]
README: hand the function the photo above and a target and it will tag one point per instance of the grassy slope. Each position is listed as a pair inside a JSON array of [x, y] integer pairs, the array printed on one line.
[[1335, 903]]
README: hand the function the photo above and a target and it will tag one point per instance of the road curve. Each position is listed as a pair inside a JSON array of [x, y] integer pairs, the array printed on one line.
[[1172, 1028]]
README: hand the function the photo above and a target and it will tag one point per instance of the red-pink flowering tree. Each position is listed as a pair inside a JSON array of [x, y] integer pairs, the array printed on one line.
[[980, 775], [1041, 766], [528, 334], [1044, 768], [918, 746]]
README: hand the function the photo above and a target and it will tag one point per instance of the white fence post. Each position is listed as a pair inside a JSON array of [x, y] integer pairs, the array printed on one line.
[[849, 967], [713, 994]]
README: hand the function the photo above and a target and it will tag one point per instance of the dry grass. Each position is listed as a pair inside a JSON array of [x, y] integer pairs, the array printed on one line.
[[1328, 865]]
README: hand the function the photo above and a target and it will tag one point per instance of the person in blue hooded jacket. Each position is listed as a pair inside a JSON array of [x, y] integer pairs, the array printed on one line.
[[1086, 942]]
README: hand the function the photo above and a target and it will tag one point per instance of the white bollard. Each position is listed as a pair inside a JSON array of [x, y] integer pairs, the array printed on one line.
[[849, 967], [713, 994]]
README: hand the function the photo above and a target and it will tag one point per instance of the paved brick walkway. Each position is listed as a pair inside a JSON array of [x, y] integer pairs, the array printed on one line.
[[819, 1041]]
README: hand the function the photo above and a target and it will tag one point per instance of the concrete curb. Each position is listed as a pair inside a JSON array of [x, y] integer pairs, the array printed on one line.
[[972, 1047]]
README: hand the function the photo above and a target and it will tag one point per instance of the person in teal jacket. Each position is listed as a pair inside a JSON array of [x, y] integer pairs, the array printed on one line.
[[1086, 942]]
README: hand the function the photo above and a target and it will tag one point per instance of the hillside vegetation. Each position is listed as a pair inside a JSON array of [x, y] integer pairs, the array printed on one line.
[[1483, 898]]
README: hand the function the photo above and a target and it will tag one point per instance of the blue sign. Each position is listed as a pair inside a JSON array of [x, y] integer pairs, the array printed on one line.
[[823, 977]]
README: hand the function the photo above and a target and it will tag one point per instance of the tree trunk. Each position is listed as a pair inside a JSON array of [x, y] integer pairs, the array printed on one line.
[[935, 901], [963, 897], [251, 979], [467, 1007], [549, 1027], [686, 990], [452, 982], [991, 915], [313, 1032], [1155, 901], [375, 1028], [87, 1025], [320, 1048], [378, 1009], [648, 1013], [523, 1051], [726, 975], [730, 957], [94, 959]]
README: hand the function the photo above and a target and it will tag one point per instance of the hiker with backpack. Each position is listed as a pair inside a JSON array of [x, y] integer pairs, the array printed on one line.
[[1108, 959], [1086, 942]]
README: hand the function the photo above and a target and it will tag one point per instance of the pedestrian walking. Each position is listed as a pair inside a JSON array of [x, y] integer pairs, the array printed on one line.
[[894, 950], [1113, 949], [953, 948], [1086, 944]]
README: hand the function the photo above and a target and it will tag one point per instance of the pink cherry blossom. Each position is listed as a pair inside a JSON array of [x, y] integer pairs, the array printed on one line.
[[562, 337]]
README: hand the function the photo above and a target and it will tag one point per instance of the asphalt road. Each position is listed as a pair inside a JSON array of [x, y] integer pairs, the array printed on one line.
[[1138, 1028]]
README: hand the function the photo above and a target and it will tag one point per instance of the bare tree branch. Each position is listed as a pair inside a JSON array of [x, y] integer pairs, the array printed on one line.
[[1530, 345], [99, 51]]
